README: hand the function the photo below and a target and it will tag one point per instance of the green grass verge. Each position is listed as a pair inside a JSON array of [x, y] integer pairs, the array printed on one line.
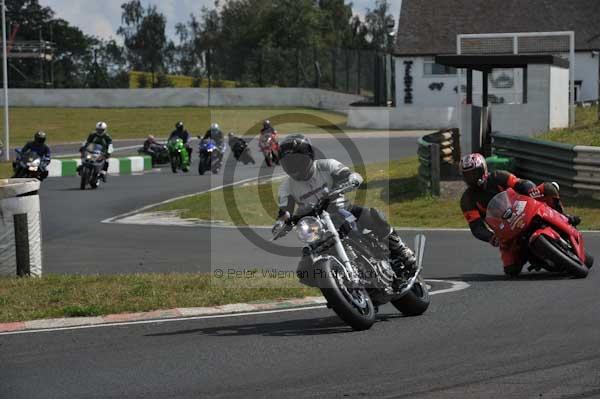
[[585, 132], [5, 170], [78, 296], [73, 124], [392, 187]]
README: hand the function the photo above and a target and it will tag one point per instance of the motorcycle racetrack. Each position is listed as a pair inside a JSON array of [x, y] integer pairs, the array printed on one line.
[[532, 337]]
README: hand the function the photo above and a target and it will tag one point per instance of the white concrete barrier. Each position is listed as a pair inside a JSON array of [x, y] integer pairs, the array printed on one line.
[[171, 97], [20, 233], [402, 118]]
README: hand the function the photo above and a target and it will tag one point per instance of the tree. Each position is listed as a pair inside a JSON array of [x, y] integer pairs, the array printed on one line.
[[145, 40], [377, 22]]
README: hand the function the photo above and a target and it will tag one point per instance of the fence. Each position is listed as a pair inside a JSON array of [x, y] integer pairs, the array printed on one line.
[[576, 168], [439, 155], [353, 71]]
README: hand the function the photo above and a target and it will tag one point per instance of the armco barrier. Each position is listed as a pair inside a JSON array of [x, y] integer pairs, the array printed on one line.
[[117, 166], [576, 168], [439, 154]]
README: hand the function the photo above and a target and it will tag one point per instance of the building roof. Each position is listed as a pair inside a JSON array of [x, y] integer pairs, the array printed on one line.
[[429, 27]]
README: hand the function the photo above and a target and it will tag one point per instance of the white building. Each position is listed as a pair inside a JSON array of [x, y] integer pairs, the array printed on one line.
[[426, 93]]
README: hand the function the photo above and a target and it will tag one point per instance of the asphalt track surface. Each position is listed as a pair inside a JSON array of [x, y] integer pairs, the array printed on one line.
[[75, 240], [533, 337]]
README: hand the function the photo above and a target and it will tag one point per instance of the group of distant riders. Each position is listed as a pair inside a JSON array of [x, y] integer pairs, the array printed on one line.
[[38, 152], [297, 157]]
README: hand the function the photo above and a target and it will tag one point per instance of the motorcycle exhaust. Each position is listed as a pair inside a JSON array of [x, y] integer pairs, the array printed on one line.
[[420, 241]]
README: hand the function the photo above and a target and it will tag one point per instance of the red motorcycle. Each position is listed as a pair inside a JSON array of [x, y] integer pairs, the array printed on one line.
[[535, 232], [269, 147]]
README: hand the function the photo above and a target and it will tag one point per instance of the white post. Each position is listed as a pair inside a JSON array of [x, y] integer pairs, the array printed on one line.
[[5, 76], [572, 80]]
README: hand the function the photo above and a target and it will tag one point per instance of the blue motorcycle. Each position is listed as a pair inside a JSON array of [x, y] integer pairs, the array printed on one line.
[[211, 157]]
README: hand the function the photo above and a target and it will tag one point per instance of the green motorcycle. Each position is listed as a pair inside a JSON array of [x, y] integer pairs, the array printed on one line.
[[178, 155]]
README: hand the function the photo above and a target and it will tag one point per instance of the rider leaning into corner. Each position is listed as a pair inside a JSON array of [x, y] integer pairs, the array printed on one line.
[[38, 146], [102, 138], [304, 186], [483, 186]]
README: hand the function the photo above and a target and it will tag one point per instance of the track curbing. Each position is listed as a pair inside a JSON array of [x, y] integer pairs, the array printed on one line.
[[118, 166], [181, 314]]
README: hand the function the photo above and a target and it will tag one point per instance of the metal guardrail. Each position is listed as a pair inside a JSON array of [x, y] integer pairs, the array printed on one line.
[[439, 154], [576, 168]]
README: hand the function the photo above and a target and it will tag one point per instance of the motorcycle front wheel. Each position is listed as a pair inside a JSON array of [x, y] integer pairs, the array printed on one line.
[[85, 178], [416, 301], [352, 305], [555, 253], [268, 160], [202, 167], [175, 162]]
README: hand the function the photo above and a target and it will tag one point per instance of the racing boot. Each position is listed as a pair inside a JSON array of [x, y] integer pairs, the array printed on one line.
[[402, 257], [103, 176]]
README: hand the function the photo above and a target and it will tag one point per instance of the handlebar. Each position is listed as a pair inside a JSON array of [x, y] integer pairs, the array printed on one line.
[[283, 227]]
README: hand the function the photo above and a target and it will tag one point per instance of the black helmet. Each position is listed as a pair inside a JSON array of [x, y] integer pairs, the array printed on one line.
[[179, 125], [39, 137], [267, 124], [297, 157]]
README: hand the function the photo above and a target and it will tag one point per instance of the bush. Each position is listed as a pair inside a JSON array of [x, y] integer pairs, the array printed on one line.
[[142, 81], [162, 80]]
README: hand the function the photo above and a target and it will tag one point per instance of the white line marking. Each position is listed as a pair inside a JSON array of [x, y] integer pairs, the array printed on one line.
[[456, 286]]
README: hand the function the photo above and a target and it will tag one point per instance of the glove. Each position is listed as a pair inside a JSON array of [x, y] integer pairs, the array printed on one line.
[[494, 241], [281, 228], [355, 179]]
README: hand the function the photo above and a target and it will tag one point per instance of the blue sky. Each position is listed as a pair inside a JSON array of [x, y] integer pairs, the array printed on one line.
[[103, 17]]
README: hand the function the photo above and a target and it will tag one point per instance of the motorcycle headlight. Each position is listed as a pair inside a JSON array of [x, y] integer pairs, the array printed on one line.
[[35, 163], [88, 157], [310, 229]]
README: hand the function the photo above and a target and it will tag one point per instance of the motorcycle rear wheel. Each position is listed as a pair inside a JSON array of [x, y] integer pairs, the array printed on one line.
[[558, 255], [20, 174], [416, 301], [358, 318]]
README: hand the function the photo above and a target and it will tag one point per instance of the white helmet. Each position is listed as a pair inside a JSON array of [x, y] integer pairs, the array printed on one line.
[[101, 128]]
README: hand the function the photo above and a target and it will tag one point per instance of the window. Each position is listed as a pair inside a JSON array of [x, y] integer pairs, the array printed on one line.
[[432, 69]]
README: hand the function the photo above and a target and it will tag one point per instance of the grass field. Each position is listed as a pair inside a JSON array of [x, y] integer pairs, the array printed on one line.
[[74, 124], [585, 132], [79, 296], [391, 187]]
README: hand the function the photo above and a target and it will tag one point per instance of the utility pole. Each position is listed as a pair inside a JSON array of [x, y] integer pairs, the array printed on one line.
[[5, 78]]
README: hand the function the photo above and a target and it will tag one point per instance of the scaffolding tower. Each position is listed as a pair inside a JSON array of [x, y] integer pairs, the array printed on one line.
[[40, 51]]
